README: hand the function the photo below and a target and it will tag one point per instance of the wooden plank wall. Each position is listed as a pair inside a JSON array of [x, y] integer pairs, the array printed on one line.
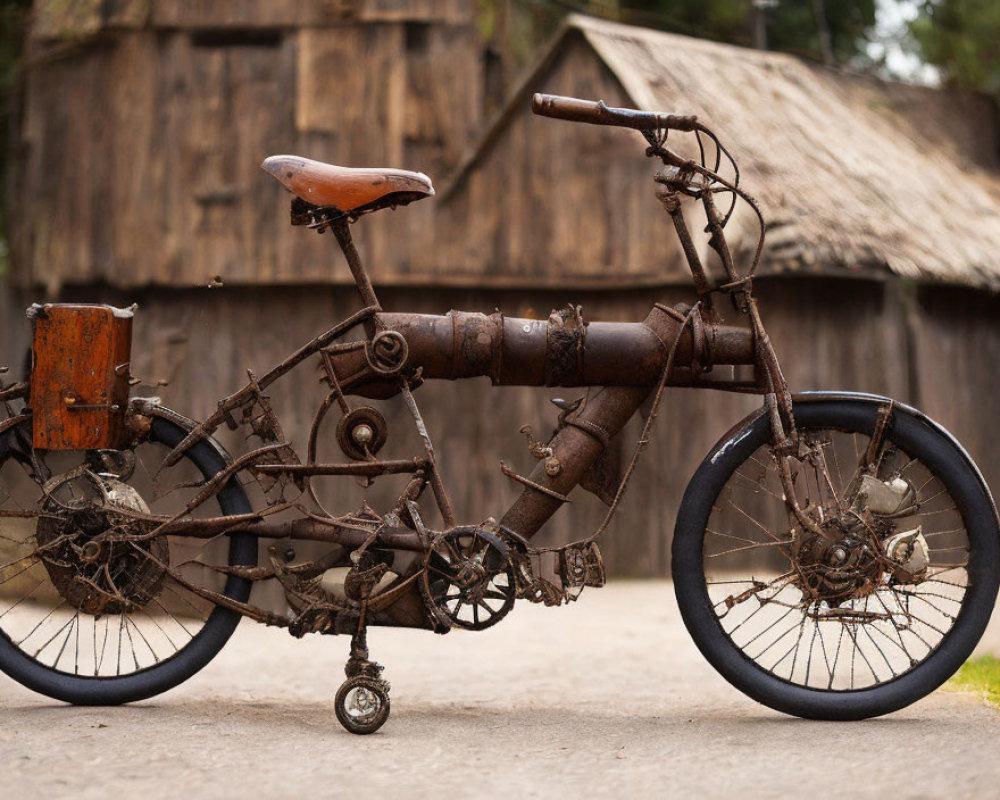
[[609, 228], [184, 118], [137, 160], [75, 19], [847, 334]]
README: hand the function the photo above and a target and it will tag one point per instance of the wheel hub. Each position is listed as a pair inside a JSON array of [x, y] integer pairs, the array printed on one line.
[[839, 563], [86, 550], [471, 577]]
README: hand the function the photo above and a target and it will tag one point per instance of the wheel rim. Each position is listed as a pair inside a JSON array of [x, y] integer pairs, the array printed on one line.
[[362, 705], [43, 613], [803, 619]]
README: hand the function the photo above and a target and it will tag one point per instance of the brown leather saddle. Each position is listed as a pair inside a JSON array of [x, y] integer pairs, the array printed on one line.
[[344, 189]]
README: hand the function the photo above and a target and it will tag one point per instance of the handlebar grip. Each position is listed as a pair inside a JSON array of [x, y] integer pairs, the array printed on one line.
[[569, 108], [596, 113]]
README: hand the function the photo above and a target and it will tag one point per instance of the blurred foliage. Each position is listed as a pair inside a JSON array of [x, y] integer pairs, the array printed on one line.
[[980, 675], [962, 37], [791, 25], [13, 21]]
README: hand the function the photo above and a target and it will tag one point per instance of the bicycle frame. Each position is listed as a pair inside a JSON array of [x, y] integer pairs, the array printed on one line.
[[625, 362], [681, 346], [842, 547]]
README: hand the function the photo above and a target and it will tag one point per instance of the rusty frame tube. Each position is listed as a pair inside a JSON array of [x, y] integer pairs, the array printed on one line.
[[363, 468], [581, 441], [304, 529], [561, 351], [576, 447], [512, 351]]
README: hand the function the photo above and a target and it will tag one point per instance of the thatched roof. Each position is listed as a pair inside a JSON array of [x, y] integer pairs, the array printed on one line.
[[854, 174]]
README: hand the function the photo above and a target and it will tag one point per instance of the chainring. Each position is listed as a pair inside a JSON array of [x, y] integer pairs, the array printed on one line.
[[467, 572]]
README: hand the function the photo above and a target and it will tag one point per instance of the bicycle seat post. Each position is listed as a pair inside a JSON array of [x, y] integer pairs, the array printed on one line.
[[341, 229]]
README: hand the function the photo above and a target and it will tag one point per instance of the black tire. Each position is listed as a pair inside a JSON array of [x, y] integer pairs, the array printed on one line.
[[204, 459], [967, 607]]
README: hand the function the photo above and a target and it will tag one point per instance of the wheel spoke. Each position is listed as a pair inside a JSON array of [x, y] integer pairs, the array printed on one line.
[[887, 621], [52, 595]]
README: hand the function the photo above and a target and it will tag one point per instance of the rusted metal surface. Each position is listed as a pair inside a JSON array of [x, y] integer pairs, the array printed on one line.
[[80, 375], [512, 351], [106, 551], [312, 530]]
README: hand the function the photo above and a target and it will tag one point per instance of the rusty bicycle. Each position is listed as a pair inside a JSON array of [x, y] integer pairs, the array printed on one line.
[[835, 556]]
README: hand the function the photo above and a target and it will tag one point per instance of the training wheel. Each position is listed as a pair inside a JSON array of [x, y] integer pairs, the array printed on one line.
[[362, 704]]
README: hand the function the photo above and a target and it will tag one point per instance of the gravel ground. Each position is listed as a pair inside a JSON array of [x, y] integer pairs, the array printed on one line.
[[605, 698]]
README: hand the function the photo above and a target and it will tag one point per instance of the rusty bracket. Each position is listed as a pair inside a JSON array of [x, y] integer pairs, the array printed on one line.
[[531, 484]]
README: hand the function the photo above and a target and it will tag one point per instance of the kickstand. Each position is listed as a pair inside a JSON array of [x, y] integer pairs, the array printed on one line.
[[362, 702]]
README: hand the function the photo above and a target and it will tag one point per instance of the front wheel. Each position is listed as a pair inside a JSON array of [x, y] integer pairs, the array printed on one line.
[[874, 603]]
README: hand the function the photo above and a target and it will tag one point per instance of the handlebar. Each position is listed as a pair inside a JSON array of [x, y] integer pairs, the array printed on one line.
[[575, 110]]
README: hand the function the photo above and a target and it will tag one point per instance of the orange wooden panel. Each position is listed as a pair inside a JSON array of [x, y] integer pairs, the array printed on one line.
[[79, 377]]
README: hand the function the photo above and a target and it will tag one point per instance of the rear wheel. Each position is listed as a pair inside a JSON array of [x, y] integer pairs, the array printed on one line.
[[89, 620], [869, 608]]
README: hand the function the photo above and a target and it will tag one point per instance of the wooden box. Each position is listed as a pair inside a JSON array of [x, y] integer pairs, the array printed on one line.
[[80, 376]]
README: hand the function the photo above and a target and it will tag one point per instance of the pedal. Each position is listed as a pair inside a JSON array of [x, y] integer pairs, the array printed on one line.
[[582, 566]]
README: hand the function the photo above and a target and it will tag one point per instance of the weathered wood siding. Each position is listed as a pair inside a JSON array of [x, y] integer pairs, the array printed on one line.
[[140, 157], [601, 222], [853, 335], [74, 19], [136, 162]]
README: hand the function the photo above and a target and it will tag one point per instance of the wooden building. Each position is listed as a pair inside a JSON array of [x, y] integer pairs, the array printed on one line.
[[143, 124]]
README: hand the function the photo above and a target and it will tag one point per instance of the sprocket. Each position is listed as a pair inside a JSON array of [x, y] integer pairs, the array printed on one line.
[[468, 580]]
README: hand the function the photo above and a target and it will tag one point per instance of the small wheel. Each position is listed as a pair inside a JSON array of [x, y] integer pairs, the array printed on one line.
[[362, 704], [468, 581]]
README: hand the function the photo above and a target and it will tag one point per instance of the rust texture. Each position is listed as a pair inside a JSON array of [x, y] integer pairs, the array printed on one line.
[[512, 351], [105, 551], [80, 376]]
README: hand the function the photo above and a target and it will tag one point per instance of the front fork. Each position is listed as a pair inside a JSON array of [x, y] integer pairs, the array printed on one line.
[[673, 184]]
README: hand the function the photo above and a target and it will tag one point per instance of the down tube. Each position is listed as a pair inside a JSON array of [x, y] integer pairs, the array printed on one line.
[[576, 446]]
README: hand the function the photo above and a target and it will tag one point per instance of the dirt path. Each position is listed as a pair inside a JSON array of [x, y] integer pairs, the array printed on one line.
[[551, 703]]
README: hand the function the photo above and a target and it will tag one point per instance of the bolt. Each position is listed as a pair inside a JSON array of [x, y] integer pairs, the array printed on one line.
[[91, 552], [362, 434], [552, 466]]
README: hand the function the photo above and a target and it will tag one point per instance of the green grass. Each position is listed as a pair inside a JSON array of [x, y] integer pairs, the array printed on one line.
[[980, 675]]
